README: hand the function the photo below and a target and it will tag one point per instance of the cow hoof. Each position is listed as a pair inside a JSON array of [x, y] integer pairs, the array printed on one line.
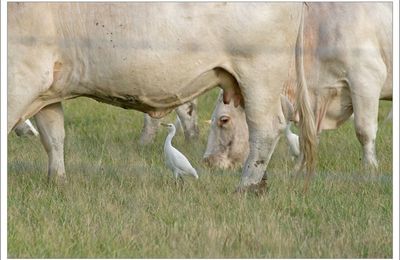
[[370, 169], [259, 189]]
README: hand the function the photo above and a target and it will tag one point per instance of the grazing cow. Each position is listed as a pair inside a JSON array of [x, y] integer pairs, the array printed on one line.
[[332, 101], [151, 57], [186, 120], [345, 65], [228, 140]]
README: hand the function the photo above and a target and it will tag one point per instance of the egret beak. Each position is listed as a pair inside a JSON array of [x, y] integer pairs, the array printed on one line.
[[163, 124]]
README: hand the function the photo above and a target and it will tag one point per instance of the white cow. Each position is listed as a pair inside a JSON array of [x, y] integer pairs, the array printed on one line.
[[345, 67], [150, 57], [227, 144], [228, 139]]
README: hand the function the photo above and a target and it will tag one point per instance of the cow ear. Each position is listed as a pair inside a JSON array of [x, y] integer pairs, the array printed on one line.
[[287, 108]]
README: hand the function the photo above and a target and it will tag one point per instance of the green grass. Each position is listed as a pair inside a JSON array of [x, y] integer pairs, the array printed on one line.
[[121, 201]]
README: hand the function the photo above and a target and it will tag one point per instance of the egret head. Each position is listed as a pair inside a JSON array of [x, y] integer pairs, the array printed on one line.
[[171, 127]]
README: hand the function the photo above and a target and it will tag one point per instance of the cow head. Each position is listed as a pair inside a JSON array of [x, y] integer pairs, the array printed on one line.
[[228, 140], [227, 145]]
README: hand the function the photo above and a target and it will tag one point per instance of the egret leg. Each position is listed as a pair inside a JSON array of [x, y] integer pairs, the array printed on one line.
[[181, 178], [176, 175]]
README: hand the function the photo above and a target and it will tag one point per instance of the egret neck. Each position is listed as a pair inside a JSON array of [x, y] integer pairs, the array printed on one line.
[[171, 134]]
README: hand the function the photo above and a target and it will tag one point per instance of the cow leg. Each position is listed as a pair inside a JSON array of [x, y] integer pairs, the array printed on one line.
[[366, 126], [19, 99], [188, 118], [30, 73], [265, 121], [366, 82], [50, 123], [149, 130]]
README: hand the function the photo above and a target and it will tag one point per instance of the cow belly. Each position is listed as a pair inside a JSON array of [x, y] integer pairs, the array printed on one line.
[[161, 81], [149, 57]]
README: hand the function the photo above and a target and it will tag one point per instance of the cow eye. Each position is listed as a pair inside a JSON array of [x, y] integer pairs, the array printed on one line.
[[223, 120]]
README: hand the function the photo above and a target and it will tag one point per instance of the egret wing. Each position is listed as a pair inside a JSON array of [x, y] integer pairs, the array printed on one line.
[[181, 162], [294, 144]]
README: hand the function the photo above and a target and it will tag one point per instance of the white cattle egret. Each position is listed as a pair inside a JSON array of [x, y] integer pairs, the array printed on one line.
[[32, 128], [175, 160], [26, 128], [293, 141]]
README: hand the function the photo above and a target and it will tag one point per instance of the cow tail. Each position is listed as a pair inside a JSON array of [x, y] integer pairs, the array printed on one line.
[[307, 127]]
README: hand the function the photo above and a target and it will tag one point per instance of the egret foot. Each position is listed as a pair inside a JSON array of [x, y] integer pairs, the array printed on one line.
[[179, 180]]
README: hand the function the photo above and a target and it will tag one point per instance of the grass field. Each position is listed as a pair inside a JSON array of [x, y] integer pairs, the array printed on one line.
[[121, 201]]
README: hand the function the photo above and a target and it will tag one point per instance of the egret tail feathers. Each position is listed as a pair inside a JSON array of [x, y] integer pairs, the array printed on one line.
[[194, 173]]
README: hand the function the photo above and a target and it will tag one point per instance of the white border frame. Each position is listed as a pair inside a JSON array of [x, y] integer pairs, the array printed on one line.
[[3, 175]]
